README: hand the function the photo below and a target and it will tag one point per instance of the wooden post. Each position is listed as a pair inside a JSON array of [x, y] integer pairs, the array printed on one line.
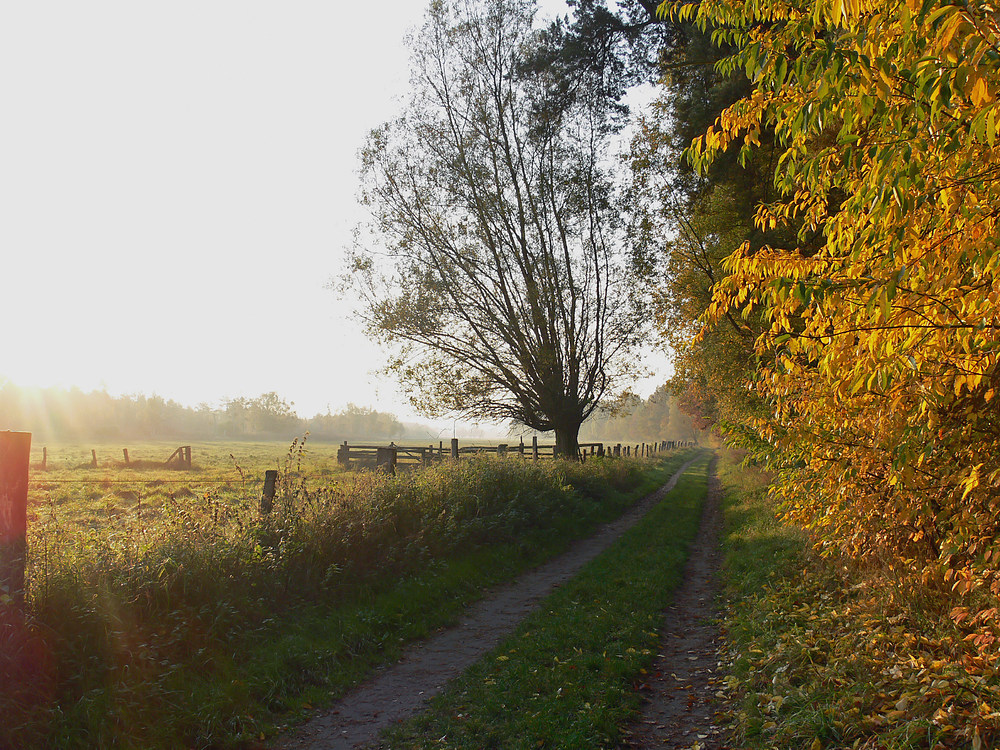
[[344, 455], [385, 460], [520, 448], [425, 455], [45, 459], [454, 449], [187, 456], [441, 449], [125, 454], [93, 457], [534, 447], [15, 455], [267, 497], [600, 450]]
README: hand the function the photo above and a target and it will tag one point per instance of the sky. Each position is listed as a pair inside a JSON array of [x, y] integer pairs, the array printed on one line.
[[177, 189]]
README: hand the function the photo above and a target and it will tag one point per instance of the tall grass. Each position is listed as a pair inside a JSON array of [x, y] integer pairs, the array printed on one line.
[[121, 618]]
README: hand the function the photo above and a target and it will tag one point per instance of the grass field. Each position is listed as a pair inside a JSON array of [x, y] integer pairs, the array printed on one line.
[[180, 616], [72, 490]]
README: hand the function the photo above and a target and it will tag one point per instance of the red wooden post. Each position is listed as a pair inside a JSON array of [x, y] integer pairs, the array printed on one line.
[[15, 454]]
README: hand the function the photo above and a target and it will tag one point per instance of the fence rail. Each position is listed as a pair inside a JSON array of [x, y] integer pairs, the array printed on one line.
[[389, 457]]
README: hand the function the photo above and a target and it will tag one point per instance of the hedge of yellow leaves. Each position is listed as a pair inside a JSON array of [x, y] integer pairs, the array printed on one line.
[[881, 350]]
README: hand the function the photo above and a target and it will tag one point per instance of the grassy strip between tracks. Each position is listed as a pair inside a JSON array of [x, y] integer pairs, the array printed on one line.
[[567, 678], [208, 633]]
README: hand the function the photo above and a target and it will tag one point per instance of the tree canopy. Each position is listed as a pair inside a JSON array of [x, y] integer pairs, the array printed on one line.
[[880, 312], [502, 279]]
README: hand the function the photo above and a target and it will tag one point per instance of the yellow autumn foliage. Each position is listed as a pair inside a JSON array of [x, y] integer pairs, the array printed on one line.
[[880, 350]]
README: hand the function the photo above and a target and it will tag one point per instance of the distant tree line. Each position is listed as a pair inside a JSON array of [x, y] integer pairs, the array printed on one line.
[[60, 414], [658, 417]]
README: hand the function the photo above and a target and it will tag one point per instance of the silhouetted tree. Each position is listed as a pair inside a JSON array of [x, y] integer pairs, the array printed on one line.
[[503, 283]]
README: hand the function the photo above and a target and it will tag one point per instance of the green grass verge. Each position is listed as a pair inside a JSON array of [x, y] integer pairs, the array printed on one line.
[[825, 654], [203, 634], [567, 677]]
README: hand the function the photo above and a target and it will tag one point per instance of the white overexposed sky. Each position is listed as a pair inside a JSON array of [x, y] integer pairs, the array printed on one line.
[[177, 187]]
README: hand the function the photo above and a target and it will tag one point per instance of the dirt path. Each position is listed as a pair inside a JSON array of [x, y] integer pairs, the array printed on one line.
[[680, 706], [399, 691]]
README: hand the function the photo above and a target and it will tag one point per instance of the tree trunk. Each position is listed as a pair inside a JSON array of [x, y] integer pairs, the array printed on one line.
[[568, 442]]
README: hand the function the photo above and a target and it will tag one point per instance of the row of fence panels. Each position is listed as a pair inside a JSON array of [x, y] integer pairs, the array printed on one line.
[[390, 456]]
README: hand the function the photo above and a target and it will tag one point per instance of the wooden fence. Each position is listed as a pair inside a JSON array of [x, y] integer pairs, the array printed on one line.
[[392, 456]]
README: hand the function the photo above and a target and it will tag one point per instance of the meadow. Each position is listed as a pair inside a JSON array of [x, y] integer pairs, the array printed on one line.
[[70, 489], [165, 609]]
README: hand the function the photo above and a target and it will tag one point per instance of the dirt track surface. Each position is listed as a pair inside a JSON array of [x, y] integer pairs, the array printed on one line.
[[401, 690], [680, 692]]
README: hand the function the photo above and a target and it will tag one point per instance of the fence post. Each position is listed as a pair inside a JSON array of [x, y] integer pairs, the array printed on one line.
[[187, 456], [534, 447], [45, 459], [15, 455], [520, 449], [93, 457], [600, 450], [125, 454], [267, 497], [385, 460], [454, 449]]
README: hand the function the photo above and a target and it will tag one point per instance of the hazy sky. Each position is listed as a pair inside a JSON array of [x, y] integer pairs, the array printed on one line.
[[177, 186]]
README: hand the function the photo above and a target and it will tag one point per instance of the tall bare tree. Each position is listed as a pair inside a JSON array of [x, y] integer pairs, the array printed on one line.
[[496, 265]]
